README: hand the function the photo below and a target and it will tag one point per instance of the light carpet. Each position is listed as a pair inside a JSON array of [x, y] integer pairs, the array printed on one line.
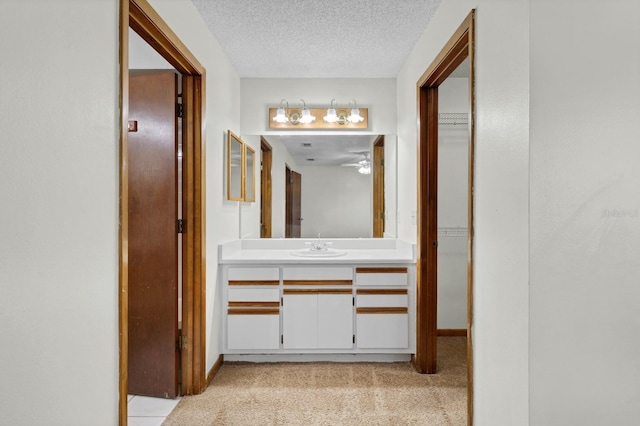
[[322, 393]]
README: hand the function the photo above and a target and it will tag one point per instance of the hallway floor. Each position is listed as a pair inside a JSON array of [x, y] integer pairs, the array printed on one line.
[[147, 411]]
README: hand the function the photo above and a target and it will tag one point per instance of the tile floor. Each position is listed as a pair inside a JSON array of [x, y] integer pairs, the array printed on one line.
[[146, 411]]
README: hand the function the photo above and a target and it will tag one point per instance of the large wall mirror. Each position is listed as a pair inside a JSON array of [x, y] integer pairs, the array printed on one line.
[[348, 186]]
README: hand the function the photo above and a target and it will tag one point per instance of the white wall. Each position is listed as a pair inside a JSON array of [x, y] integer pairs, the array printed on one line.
[[453, 166], [585, 212], [501, 194], [60, 261], [59, 210], [222, 114], [336, 202]]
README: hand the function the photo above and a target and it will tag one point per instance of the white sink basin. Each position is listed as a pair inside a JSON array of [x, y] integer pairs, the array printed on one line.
[[318, 253]]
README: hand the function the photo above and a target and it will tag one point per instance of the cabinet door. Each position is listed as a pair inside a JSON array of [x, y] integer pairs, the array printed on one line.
[[335, 321], [300, 321], [252, 331], [315, 320]]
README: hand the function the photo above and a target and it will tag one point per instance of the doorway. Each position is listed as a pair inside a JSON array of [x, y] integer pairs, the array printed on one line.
[[140, 16], [293, 204], [459, 47]]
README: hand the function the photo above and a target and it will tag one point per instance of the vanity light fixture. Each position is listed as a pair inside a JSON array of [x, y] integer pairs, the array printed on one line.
[[306, 114], [332, 116], [281, 114], [354, 117], [302, 117]]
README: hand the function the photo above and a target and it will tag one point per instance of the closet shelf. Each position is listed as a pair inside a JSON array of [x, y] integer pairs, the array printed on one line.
[[452, 240], [453, 119]]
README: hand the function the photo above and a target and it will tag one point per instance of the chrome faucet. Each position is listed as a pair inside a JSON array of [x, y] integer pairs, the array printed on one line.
[[319, 245]]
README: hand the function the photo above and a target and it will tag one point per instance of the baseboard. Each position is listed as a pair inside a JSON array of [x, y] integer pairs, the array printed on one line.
[[450, 332], [361, 357], [214, 370]]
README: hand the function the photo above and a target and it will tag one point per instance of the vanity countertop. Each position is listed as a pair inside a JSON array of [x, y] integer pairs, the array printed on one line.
[[280, 251]]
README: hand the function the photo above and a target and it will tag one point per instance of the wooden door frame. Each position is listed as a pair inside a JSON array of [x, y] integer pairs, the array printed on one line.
[[378, 187], [459, 47], [266, 188], [145, 21], [287, 201]]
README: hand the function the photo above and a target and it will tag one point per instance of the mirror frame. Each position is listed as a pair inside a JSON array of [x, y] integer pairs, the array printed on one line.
[[249, 174], [231, 140]]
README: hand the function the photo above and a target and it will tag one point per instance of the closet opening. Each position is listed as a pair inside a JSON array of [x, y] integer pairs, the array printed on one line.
[[459, 47]]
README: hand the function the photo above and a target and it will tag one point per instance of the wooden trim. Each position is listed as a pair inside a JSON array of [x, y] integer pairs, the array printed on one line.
[[253, 311], [459, 47], [382, 291], [452, 332], [145, 21], [253, 282], [451, 55], [470, 214], [194, 252], [214, 370], [253, 304], [288, 214], [319, 123], [317, 282], [381, 270], [426, 266], [123, 229], [188, 267], [266, 189], [366, 311], [378, 187], [317, 291]]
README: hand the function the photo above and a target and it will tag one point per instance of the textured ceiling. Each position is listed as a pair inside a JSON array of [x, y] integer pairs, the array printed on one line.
[[317, 38]]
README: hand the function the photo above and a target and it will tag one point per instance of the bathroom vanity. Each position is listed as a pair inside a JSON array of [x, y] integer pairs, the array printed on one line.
[[335, 296]]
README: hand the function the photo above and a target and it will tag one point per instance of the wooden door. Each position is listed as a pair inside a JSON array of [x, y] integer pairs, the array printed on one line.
[[296, 204], [153, 243], [293, 209]]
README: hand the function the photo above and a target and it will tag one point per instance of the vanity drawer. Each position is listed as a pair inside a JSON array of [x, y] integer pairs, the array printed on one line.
[[254, 294], [317, 276], [382, 276], [374, 298], [253, 276]]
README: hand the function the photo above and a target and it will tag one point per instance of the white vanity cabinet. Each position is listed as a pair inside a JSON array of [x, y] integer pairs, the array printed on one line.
[[282, 305], [253, 308], [382, 307]]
